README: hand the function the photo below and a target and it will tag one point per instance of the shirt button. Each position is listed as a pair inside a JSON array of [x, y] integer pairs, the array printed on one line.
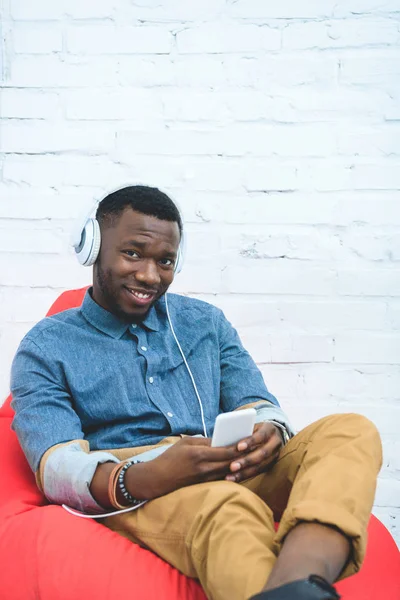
[[133, 325], [170, 414], [143, 348], [151, 379]]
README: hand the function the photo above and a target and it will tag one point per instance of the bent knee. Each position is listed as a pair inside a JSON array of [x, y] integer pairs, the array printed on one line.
[[358, 427]]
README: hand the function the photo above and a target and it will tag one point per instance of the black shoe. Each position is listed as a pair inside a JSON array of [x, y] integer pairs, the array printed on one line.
[[313, 588]]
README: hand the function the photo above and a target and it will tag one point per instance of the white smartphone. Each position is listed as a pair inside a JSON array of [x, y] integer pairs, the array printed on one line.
[[231, 427]]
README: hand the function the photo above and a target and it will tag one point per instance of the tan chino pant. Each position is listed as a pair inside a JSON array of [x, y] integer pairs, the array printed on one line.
[[223, 534]]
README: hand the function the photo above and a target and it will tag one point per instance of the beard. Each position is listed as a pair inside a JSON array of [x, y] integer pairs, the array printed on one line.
[[110, 295]]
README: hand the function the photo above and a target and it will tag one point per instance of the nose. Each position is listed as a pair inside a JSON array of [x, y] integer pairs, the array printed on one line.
[[147, 273]]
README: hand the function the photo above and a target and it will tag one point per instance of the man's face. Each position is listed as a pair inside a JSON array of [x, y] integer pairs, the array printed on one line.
[[136, 264]]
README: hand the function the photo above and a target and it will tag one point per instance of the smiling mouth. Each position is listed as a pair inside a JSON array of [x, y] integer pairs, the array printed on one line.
[[141, 297]]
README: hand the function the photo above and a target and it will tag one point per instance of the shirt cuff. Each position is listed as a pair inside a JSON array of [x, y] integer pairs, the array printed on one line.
[[68, 474], [267, 412]]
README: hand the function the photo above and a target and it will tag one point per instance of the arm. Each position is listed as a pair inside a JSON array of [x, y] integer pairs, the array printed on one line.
[[191, 460], [50, 431]]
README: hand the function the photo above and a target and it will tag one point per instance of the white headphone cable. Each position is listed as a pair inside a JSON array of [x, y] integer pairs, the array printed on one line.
[[188, 368]]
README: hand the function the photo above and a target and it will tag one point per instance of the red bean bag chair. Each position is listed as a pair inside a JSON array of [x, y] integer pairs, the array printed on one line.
[[49, 554]]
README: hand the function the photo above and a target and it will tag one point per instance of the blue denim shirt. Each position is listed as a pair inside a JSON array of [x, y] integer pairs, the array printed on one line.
[[84, 374]]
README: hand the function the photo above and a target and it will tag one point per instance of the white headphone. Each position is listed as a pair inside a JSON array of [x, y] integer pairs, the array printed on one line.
[[86, 239]]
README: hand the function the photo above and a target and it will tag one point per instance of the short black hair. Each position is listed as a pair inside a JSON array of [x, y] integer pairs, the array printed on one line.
[[141, 198]]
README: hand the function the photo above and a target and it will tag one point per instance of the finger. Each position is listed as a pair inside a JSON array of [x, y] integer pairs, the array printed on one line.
[[258, 456], [262, 432], [221, 453], [253, 470]]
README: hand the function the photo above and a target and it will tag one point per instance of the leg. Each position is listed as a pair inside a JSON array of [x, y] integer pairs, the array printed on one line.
[[327, 476], [219, 532]]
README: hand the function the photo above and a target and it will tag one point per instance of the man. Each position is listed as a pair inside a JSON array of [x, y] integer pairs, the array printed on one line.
[[95, 386]]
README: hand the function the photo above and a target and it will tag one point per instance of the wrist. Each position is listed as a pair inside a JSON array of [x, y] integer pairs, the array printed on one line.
[[141, 481], [282, 431]]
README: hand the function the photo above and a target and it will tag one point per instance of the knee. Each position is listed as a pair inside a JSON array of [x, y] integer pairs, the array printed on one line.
[[359, 429]]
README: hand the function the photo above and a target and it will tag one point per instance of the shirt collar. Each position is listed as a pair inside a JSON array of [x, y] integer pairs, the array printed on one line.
[[109, 323]]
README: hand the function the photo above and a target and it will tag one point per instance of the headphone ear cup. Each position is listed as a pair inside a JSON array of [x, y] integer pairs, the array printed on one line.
[[96, 244], [180, 259], [89, 247]]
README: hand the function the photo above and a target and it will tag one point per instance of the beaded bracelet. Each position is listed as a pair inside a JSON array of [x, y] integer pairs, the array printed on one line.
[[121, 484], [114, 481]]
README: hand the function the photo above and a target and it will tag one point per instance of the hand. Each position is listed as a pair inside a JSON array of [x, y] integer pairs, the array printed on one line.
[[261, 451], [189, 461]]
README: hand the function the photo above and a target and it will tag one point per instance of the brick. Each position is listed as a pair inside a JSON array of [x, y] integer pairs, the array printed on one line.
[[348, 385], [348, 33], [279, 279], [392, 110], [367, 348], [110, 39], [54, 71], [255, 140], [27, 104], [227, 37], [169, 71], [393, 314], [373, 208], [202, 246], [44, 10], [377, 69], [332, 175], [174, 10], [384, 176], [387, 492], [370, 142], [247, 311], [193, 106], [286, 9], [261, 208], [117, 104], [333, 315], [37, 138], [278, 243], [281, 70], [38, 203], [338, 103], [390, 517], [373, 282], [343, 8], [198, 279], [40, 40], [271, 176], [294, 348], [43, 271], [374, 247], [391, 458], [61, 170], [147, 71], [33, 240]]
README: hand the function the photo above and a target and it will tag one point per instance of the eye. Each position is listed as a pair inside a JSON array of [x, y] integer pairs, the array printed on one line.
[[131, 253], [167, 262]]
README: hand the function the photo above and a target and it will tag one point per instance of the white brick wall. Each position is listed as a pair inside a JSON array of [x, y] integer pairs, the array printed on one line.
[[275, 126]]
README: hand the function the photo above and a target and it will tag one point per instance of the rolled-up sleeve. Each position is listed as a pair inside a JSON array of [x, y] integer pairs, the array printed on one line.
[[67, 474]]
